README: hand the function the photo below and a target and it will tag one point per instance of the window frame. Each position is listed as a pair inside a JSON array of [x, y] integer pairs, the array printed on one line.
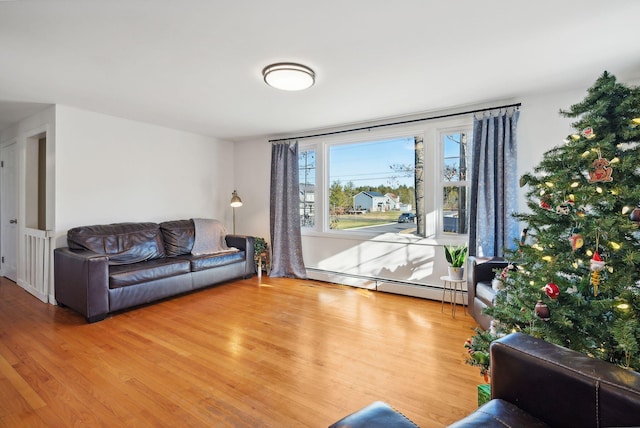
[[431, 133], [442, 183]]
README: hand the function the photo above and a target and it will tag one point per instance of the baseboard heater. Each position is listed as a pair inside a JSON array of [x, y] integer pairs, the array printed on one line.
[[406, 288]]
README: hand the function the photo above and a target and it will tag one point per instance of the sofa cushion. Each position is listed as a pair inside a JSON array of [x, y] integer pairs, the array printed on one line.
[[178, 236], [207, 261], [499, 414], [485, 293], [124, 243], [124, 275]]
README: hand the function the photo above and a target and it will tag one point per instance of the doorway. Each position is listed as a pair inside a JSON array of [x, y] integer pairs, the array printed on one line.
[[9, 211]]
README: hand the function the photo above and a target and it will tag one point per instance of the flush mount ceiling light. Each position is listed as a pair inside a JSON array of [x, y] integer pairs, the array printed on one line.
[[289, 76]]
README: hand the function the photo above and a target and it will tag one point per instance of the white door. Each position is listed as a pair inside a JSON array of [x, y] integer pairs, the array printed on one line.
[[9, 211]]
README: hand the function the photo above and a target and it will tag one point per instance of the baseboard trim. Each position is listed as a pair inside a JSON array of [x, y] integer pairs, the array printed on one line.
[[406, 288]]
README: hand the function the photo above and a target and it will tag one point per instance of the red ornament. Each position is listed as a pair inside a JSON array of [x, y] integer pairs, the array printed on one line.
[[542, 311], [552, 290], [596, 264], [588, 133]]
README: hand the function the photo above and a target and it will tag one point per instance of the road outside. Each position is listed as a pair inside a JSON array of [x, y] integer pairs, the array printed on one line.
[[378, 222]]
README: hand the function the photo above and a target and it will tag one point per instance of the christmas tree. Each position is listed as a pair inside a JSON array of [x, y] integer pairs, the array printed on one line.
[[576, 275]]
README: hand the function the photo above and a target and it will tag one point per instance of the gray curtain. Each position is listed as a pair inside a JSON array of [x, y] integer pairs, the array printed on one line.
[[492, 227], [286, 241]]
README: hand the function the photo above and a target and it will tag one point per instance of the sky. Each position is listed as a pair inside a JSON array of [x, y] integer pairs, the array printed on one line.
[[368, 164]]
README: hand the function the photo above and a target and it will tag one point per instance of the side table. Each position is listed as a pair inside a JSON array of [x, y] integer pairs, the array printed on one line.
[[452, 285]]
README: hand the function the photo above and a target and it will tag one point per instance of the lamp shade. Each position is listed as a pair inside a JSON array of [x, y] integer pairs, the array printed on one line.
[[235, 200], [289, 76]]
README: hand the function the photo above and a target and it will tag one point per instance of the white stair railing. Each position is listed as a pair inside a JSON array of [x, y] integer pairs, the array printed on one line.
[[37, 257]]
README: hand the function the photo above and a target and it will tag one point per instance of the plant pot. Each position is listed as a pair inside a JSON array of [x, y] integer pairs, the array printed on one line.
[[456, 272]]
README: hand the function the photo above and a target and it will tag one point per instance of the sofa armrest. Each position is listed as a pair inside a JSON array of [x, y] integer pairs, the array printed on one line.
[[481, 269], [246, 244], [563, 387], [81, 280]]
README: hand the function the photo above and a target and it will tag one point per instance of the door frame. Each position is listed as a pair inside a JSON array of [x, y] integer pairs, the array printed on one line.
[[3, 242]]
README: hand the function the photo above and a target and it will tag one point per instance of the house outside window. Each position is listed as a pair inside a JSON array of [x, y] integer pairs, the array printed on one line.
[[366, 181]]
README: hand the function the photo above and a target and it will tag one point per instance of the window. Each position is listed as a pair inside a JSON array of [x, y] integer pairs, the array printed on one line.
[[404, 181], [371, 183], [307, 173], [454, 182]]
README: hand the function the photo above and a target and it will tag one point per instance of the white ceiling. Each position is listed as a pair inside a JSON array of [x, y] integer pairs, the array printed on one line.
[[196, 65]]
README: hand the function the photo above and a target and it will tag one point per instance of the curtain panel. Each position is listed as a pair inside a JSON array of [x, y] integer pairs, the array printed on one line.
[[492, 227], [286, 239]]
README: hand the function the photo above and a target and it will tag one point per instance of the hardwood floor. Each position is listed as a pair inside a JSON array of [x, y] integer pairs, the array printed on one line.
[[276, 353]]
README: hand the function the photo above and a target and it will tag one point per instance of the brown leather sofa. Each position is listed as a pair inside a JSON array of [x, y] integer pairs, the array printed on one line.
[[480, 293], [537, 384], [107, 268]]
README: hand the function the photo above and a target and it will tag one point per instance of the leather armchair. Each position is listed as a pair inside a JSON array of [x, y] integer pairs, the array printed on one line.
[[538, 384], [480, 293]]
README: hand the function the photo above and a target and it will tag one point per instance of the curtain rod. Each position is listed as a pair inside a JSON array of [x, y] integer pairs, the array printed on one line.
[[422, 119]]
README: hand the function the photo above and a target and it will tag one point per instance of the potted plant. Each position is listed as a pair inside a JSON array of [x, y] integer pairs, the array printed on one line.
[[456, 257], [260, 254]]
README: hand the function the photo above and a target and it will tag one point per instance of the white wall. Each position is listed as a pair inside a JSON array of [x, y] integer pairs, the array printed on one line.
[[110, 170], [541, 127], [419, 261], [253, 183]]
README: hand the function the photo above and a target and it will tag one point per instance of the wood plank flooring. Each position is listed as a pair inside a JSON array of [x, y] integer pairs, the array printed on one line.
[[270, 353]]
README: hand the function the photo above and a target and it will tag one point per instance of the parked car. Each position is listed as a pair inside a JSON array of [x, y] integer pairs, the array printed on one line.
[[407, 218]]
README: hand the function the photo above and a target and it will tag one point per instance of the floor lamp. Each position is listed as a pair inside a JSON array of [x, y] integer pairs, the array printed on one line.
[[235, 202]]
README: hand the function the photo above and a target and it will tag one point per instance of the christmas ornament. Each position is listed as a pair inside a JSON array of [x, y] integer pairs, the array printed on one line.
[[493, 329], [596, 266], [564, 208], [635, 215], [552, 290], [588, 133], [600, 171], [542, 311], [480, 357], [572, 290], [544, 203], [468, 344], [576, 239]]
